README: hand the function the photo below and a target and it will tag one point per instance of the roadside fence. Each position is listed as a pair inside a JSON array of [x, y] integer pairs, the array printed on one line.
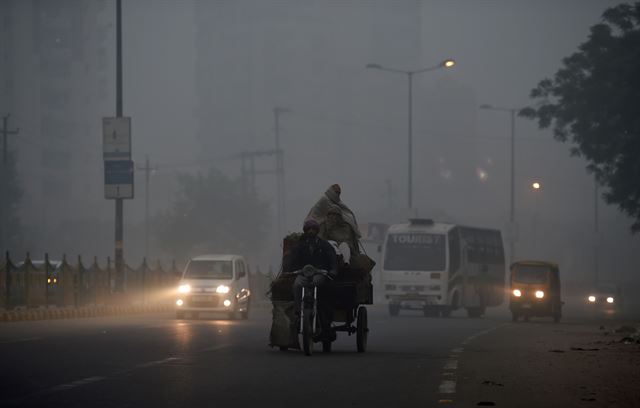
[[36, 284]]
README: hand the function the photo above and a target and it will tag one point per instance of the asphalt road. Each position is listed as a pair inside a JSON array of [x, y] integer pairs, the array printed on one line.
[[157, 361]]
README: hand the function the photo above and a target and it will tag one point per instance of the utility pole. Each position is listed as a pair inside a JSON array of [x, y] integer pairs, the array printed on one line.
[[280, 191], [147, 177], [119, 201], [596, 230], [4, 210], [249, 171]]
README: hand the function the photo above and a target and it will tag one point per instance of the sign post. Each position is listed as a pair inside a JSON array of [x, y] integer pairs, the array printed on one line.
[[118, 178]]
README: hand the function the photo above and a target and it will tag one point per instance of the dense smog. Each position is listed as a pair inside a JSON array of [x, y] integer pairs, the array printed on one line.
[[382, 203]]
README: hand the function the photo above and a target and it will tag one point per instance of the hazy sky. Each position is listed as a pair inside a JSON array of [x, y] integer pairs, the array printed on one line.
[[232, 62]]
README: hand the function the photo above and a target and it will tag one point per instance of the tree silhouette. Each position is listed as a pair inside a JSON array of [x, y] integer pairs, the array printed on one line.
[[593, 102]]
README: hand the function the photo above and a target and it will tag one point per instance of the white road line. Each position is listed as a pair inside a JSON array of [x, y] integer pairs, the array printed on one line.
[[448, 384], [157, 362], [447, 387], [451, 365], [216, 348], [77, 383]]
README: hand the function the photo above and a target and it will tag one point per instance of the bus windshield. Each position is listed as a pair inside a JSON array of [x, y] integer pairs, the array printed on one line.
[[531, 274], [415, 252]]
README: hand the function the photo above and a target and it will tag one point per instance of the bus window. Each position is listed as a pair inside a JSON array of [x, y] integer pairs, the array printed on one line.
[[454, 250], [415, 252]]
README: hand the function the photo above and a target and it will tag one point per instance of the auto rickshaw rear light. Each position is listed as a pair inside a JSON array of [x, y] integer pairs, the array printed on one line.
[[539, 294], [517, 293], [609, 299]]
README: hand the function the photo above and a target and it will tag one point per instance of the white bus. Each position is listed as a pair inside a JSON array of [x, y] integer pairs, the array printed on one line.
[[438, 268]]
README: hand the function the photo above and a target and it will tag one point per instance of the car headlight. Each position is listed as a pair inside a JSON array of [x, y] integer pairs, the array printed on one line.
[[223, 289], [592, 299], [609, 299], [179, 302], [517, 293], [184, 288], [226, 303], [539, 294]]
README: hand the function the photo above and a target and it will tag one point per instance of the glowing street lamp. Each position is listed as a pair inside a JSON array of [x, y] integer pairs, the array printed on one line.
[[447, 63]]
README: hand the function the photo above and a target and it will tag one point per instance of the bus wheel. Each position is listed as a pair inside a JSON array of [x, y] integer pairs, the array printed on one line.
[[394, 309]]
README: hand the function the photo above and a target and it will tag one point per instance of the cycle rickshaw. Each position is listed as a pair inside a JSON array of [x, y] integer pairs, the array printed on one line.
[[352, 290]]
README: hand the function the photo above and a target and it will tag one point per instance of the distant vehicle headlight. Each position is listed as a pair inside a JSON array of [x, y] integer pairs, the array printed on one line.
[[539, 294], [592, 298], [609, 299], [517, 293], [226, 303], [223, 289], [184, 288], [179, 302]]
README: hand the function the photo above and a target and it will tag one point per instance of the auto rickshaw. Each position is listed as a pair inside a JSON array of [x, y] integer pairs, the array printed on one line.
[[535, 290]]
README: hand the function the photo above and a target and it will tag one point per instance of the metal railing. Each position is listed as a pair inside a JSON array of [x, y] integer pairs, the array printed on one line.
[[45, 283]]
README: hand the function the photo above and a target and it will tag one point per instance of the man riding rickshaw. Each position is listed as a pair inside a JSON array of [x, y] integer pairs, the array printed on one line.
[[322, 282]]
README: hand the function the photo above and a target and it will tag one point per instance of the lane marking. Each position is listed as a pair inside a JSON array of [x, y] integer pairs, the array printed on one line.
[[157, 362], [451, 365], [77, 383], [448, 383], [216, 348], [447, 387]]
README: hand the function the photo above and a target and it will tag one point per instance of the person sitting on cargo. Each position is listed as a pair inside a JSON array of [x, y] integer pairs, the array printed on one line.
[[331, 198], [335, 229], [316, 252]]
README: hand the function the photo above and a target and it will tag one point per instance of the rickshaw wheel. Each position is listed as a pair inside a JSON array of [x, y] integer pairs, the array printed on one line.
[[514, 317], [326, 346], [362, 330], [307, 335], [556, 318], [283, 348], [526, 318]]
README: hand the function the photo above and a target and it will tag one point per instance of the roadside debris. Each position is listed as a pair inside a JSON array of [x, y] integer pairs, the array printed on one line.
[[584, 349], [556, 351]]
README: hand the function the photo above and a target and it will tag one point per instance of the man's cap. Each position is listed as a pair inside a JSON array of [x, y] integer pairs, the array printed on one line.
[[308, 224]]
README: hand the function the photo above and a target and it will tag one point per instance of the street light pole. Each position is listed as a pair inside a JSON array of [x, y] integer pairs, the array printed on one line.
[[512, 198], [410, 126], [448, 63]]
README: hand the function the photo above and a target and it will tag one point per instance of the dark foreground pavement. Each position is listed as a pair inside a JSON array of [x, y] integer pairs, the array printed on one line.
[[157, 361]]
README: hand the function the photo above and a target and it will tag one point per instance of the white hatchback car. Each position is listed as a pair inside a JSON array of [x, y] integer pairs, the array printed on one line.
[[214, 283]]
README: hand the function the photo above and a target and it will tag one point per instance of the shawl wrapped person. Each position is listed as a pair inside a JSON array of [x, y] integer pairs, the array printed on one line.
[[330, 198]]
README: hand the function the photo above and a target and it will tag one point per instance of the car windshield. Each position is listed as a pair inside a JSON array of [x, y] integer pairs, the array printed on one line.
[[609, 289], [531, 274], [207, 269], [415, 252]]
